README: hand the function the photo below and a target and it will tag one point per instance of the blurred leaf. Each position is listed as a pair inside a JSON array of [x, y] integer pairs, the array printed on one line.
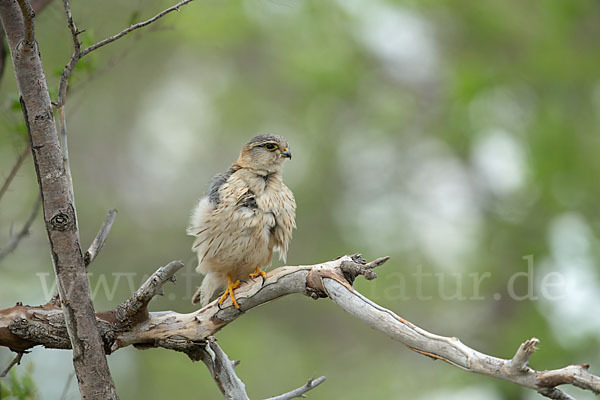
[[133, 18]]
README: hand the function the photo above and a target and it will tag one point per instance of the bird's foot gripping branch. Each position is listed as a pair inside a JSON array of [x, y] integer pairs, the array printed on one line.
[[23, 327]]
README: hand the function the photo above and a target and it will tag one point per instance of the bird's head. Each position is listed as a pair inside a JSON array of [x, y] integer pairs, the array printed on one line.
[[265, 153]]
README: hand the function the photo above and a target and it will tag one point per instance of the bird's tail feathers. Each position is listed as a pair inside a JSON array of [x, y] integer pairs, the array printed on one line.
[[212, 284]]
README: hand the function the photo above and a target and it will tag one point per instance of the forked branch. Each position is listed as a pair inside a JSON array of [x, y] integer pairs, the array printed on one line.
[[189, 333], [78, 53]]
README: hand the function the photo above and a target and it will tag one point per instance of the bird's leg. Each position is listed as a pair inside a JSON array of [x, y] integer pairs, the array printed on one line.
[[231, 286], [257, 273]]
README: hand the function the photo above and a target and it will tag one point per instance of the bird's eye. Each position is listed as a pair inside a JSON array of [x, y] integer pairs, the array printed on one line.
[[270, 146]]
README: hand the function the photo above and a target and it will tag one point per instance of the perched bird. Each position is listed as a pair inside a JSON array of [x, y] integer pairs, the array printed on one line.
[[247, 213]]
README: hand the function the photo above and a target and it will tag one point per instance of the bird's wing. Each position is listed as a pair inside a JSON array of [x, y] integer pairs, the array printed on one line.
[[286, 221], [220, 225]]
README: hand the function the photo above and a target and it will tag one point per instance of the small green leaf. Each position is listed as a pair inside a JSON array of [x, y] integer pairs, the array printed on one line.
[[134, 17], [15, 102], [87, 39]]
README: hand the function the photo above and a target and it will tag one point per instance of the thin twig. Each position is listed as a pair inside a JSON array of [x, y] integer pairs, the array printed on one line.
[[311, 384], [14, 170], [16, 239], [62, 92], [15, 361], [520, 361], [100, 238], [112, 62], [28, 15], [64, 76], [134, 27]]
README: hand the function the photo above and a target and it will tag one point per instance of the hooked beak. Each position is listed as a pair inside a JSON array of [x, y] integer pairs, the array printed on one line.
[[286, 153]]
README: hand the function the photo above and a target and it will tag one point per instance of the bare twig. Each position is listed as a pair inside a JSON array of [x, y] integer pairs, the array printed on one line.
[[14, 170], [452, 351], [78, 53], [16, 239], [28, 15], [311, 384], [134, 27], [520, 361], [64, 76], [76, 56], [63, 83], [31, 326], [14, 361], [100, 238]]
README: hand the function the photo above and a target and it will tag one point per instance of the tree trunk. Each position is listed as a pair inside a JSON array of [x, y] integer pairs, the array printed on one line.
[[89, 359]]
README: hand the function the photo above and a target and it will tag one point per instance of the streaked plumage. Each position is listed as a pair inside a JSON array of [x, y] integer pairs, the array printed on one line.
[[247, 213]]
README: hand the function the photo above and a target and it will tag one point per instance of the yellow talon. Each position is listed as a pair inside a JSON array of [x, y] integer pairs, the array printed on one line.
[[231, 286], [259, 272]]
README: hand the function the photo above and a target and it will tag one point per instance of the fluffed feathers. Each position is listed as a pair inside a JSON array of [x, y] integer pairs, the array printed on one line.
[[247, 213]]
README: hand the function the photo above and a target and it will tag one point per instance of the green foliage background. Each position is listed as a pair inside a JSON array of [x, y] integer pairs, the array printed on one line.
[[455, 136]]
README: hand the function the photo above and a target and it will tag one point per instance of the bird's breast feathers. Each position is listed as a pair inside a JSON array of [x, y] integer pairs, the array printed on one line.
[[253, 216]]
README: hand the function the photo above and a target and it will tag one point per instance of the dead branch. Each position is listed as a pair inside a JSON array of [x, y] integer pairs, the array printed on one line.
[[32, 326], [98, 242], [135, 309], [219, 365], [16, 239], [311, 384], [12, 363], [222, 370]]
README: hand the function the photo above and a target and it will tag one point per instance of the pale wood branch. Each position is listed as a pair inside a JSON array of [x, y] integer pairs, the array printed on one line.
[[31, 326], [311, 384], [222, 370], [100, 239], [219, 365], [135, 309]]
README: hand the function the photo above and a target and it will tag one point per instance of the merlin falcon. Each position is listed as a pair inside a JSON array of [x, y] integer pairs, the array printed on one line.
[[247, 213]]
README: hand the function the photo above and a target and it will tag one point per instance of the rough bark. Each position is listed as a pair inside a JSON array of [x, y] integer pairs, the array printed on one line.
[[89, 359]]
